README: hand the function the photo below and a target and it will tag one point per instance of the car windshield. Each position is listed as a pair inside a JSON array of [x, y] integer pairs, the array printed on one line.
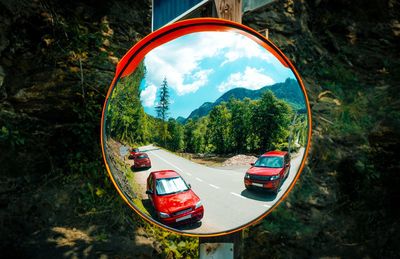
[[142, 156], [269, 161], [166, 186]]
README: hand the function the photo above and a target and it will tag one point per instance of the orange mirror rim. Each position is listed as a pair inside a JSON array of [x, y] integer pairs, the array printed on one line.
[[135, 55]]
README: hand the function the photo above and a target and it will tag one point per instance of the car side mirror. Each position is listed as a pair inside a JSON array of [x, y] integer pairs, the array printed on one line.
[[149, 192], [190, 186], [287, 165], [252, 164]]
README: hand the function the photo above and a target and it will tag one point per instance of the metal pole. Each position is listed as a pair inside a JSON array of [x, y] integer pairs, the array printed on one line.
[[222, 247], [228, 246]]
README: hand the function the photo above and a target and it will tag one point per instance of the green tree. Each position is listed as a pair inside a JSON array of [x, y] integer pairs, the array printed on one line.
[[125, 117], [189, 129], [219, 129], [163, 103], [271, 120], [162, 111], [175, 142], [199, 135], [241, 114], [195, 136]]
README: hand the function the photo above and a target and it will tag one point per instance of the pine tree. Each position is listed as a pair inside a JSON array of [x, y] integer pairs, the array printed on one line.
[[162, 110], [163, 103]]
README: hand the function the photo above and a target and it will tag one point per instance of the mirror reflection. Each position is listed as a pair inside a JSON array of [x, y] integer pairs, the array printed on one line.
[[207, 133]]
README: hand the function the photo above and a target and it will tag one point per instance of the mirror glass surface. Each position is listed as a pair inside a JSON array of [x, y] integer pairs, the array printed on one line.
[[183, 124]]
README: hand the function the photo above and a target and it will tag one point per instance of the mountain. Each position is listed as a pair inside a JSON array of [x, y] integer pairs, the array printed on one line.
[[181, 120], [288, 91]]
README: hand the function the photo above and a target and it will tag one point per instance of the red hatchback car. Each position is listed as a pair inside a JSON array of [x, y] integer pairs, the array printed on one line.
[[269, 171], [173, 199], [141, 160], [133, 152]]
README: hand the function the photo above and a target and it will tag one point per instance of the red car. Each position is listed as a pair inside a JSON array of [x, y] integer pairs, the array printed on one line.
[[141, 160], [173, 199], [133, 152], [269, 171]]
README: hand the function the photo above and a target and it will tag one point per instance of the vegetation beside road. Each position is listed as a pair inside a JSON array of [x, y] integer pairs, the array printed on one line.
[[236, 126]]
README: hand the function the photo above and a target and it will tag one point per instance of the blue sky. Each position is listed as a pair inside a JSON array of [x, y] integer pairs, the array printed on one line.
[[200, 67]]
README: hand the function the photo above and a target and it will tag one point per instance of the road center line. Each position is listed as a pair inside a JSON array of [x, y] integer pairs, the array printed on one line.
[[214, 186], [168, 162], [238, 195], [198, 179]]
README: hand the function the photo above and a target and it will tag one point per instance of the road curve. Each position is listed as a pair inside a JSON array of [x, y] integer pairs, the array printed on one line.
[[227, 203]]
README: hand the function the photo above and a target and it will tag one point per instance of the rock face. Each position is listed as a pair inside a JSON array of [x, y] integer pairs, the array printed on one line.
[[348, 54], [56, 63]]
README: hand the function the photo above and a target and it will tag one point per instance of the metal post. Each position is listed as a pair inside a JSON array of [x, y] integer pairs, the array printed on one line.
[[228, 246], [229, 9], [222, 247]]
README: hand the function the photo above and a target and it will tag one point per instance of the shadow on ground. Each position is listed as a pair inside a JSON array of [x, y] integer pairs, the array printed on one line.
[[259, 195], [140, 169], [68, 242]]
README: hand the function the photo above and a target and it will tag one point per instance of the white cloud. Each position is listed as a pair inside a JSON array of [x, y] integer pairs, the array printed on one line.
[[183, 74], [252, 78], [180, 60], [243, 47], [148, 95], [200, 79]]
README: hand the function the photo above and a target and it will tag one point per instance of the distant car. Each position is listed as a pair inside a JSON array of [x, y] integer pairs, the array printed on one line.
[[141, 160], [173, 199], [133, 152], [269, 171]]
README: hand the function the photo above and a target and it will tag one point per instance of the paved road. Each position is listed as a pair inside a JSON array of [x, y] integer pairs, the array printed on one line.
[[227, 203]]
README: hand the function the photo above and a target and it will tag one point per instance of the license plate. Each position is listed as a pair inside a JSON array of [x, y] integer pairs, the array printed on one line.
[[257, 184], [184, 217]]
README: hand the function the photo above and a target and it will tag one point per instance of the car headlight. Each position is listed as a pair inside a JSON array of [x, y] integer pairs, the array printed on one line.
[[198, 205], [247, 176], [164, 215], [275, 177]]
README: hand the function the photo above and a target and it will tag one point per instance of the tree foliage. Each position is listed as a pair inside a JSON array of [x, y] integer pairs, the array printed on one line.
[[219, 130], [126, 120], [236, 126], [176, 133], [163, 102], [162, 112], [246, 126]]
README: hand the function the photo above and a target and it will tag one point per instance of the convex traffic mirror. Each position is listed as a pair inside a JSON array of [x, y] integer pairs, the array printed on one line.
[[205, 128]]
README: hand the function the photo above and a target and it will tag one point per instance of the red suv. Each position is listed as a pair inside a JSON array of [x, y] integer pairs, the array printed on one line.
[[269, 171], [173, 199], [141, 160]]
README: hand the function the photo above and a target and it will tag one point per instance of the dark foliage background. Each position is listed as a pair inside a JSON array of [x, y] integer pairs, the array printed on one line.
[[57, 59]]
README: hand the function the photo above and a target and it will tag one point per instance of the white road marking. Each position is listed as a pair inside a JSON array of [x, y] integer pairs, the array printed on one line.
[[238, 195], [267, 206], [214, 186], [189, 174], [167, 162], [198, 179]]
